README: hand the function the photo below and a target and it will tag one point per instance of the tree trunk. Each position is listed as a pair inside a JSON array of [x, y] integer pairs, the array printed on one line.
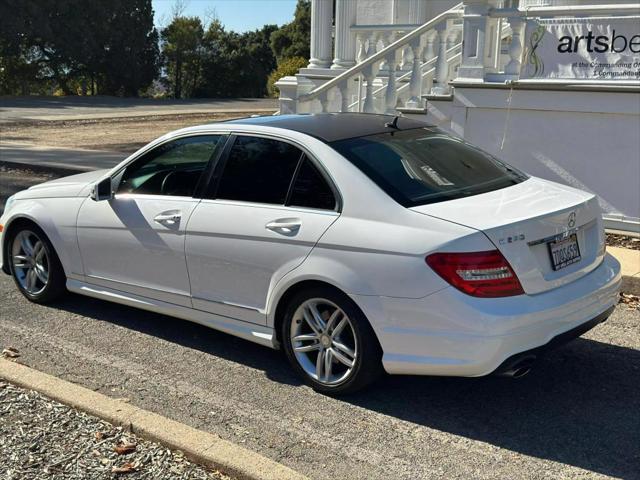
[[177, 88]]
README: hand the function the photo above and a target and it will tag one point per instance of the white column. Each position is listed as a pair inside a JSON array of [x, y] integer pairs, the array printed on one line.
[[345, 40], [417, 11], [475, 20], [321, 20]]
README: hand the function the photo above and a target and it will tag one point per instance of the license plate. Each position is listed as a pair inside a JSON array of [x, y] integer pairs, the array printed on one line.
[[564, 252]]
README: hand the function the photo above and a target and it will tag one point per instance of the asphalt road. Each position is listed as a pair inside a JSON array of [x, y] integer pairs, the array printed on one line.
[[17, 109], [577, 415]]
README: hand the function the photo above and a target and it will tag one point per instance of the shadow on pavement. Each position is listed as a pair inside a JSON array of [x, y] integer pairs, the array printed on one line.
[[186, 334], [580, 405]]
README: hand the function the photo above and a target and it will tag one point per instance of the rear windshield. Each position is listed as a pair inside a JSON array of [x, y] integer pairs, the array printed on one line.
[[425, 165]]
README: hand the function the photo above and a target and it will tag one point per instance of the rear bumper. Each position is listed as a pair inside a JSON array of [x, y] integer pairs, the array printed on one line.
[[555, 342], [450, 333]]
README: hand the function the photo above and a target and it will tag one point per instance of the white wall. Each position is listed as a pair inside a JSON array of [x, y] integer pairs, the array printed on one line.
[[374, 12], [384, 12], [556, 3], [436, 7], [590, 140]]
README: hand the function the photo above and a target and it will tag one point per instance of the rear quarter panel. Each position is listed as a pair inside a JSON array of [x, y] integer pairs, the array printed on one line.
[[378, 258]]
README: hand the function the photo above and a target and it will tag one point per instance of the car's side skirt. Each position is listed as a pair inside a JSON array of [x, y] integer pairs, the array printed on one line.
[[249, 331]]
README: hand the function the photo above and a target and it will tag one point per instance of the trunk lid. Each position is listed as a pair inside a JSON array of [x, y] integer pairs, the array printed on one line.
[[524, 219]]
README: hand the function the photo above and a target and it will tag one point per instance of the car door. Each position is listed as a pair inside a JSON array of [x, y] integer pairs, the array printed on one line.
[[135, 241], [268, 205]]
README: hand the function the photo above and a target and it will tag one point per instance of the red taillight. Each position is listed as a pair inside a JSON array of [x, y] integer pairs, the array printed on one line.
[[481, 274]]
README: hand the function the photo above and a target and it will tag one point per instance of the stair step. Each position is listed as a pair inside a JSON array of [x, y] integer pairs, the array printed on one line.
[[412, 111], [440, 98]]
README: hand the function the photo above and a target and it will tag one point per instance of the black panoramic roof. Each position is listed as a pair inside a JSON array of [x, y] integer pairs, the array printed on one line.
[[330, 127]]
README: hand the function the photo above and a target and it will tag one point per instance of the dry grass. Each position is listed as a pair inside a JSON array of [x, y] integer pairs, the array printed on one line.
[[114, 134]]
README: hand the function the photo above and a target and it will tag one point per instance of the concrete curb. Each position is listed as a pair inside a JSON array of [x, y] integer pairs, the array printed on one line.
[[198, 446], [630, 263]]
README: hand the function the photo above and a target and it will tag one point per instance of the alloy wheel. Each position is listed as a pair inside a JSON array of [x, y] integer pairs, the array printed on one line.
[[30, 262], [324, 341]]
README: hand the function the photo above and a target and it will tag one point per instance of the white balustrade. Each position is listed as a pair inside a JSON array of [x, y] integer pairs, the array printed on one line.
[[361, 41], [442, 65], [515, 49], [378, 82], [398, 64], [344, 96], [391, 91], [370, 74], [415, 84], [407, 59], [429, 50]]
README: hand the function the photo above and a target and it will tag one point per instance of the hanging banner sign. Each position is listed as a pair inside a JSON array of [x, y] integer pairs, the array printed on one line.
[[582, 48]]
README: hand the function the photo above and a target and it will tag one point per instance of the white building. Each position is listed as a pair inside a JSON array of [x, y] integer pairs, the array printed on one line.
[[561, 108]]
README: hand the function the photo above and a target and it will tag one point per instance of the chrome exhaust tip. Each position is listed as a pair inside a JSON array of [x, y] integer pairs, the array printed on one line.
[[519, 368]]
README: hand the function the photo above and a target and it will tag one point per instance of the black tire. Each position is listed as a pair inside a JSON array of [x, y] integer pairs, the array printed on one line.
[[367, 366], [55, 287]]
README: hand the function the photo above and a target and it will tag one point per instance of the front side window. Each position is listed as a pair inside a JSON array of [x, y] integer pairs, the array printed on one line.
[[424, 165], [172, 168], [258, 170]]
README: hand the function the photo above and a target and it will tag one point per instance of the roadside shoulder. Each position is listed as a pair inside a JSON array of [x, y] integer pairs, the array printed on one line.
[[198, 446]]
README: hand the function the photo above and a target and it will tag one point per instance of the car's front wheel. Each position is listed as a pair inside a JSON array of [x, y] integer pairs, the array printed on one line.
[[329, 341], [34, 264]]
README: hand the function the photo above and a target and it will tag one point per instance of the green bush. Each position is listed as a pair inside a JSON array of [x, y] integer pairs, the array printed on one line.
[[286, 67]]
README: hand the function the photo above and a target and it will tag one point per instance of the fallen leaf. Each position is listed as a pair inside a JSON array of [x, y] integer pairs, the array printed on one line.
[[10, 352], [99, 435], [123, 449], [125, 468]]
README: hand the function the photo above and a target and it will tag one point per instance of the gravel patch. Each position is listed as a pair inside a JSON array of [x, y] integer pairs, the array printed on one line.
[[40, 438], [624, 241]]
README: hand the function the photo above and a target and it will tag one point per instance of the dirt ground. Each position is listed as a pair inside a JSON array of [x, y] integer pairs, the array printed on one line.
[[120, 135]]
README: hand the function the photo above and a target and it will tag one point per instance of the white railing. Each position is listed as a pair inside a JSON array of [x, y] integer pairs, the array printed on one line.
[[454, 59], [454, 56], [408, 51], [398, 64]]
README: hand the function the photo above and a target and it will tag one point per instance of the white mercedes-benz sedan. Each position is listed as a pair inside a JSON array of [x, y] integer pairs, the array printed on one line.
[[356, 243]]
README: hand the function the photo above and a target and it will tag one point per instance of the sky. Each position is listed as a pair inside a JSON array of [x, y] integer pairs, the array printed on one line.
[[236, 15]]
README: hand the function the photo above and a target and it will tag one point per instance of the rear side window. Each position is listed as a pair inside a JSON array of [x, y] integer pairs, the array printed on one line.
[[258, 170], [422, 166], [310, 189]]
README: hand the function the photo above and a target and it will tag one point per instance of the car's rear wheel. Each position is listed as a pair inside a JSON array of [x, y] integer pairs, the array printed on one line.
[[329, 341], [34, 265]]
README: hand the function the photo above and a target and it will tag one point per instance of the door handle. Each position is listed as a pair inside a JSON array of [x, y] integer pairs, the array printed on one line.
[[169, 218], [286, 226]]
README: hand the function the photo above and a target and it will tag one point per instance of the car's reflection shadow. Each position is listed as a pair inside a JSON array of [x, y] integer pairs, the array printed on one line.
[[580, 405]]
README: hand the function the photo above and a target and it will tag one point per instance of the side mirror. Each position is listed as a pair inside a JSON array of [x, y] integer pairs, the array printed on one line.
[[102, 190]]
